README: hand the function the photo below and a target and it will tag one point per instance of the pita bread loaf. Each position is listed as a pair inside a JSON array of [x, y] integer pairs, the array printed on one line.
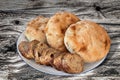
[[87, 39], [56, 28], [35, 29]]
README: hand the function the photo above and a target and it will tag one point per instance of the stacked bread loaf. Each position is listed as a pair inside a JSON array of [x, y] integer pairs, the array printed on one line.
[[65, 42]]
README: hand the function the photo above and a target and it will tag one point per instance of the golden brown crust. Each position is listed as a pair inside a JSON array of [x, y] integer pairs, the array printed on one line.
[[47, 56], [38, 51], [72, 63], [54, 56], [35, 29], [56, 28], [23, 48], [50, 57], [27, 48], [87, 39], [32, 46], [57, 62]]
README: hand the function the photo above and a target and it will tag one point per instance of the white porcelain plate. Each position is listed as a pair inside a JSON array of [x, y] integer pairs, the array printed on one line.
[[51, 70]]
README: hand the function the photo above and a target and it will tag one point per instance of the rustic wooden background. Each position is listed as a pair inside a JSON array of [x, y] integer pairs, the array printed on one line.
[[14, 14]]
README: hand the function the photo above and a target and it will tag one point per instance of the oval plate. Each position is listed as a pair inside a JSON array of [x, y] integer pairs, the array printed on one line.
[[51, 70]]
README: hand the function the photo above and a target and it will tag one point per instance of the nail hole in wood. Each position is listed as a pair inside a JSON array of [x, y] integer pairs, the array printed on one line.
[[16, 22], [97, 8], [32, 0]]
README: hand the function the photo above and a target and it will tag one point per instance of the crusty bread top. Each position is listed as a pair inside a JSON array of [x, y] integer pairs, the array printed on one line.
[[56, 28], [87, 39], [35, 29]]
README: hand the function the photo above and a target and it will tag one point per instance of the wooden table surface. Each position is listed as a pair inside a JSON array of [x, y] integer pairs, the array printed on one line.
[[14, 15]]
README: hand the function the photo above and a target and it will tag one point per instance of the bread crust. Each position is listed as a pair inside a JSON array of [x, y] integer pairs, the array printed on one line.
[[32, 46], [57, 62], [47, 56], [27, 48], [87, 39], [56, 28], [23, 48], [39, 51]]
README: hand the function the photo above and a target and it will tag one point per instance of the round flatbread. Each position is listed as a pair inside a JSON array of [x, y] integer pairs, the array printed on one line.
[[35, 29], [56, 28], [87, 39]]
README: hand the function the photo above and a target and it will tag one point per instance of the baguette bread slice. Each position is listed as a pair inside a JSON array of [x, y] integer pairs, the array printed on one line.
[[38, 51], [72, 63], [23, 48], [57, 62], [47, 56], [32, 46]]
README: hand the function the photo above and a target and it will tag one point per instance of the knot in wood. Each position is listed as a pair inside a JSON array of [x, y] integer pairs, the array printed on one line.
[[97, 7]]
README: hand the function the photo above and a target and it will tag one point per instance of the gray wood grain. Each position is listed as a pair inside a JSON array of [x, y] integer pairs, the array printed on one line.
[[14, 15]]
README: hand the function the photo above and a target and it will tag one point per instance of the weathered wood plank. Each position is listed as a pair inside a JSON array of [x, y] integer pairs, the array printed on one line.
[[13, 20], [85, 9]]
